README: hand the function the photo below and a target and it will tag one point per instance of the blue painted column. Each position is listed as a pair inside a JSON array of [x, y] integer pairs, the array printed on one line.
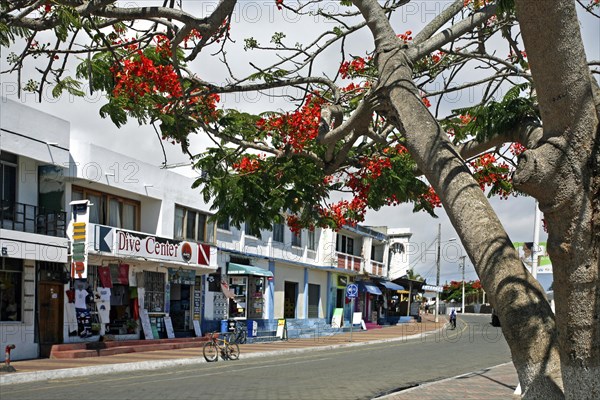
[[329, 299], [271, 294], [305, 296]]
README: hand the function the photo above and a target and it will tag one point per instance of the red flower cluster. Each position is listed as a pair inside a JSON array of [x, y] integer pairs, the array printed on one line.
[[397, 149], [193, 36], [163, 45], [487, 173], [296, 129], [139, 76], [357, 66], [279, 4], [517, 148], [406, 36], [426, 102], [371, 169], [465, 119], [294, 224], [247, 165], [344, 212], [432, 198]]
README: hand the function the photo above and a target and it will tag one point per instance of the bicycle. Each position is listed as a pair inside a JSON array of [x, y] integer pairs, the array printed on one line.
[[239, 335], [216, 346]]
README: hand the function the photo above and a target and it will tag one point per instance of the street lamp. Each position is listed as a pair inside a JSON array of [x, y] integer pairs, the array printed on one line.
[[437, 276]]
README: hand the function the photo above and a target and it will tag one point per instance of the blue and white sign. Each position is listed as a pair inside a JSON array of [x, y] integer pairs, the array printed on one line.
[[352, 291]]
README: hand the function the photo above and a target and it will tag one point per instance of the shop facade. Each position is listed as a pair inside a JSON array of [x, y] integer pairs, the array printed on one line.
[[139, 286], [33, 243]]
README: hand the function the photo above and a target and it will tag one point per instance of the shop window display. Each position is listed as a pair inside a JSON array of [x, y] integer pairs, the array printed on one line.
[[11, 278]]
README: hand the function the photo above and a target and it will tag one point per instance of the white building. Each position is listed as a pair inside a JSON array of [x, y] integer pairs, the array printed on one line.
[[143, 233], [147, 237]]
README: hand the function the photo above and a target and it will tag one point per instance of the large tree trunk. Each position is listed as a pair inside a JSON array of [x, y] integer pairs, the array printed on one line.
[[564, 175], [527, 320]]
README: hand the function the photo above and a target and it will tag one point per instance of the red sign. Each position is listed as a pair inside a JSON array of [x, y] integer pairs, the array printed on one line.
[[203, 254]]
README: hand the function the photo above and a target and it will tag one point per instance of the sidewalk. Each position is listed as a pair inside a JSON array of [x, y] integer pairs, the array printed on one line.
[[497, 382]]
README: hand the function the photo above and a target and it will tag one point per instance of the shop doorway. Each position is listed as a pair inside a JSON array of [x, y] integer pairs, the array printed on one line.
[[50, 303], [180, 309], [340, 298], [290, 296]]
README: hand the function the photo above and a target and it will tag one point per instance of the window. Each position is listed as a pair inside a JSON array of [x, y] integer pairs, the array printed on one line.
[[345, 244], [11, 278], [154, 297], [192, 225], [312, 240], [297, 239], [224, 225], [8, 183], [111, 210], [278, 233], [313, 300]]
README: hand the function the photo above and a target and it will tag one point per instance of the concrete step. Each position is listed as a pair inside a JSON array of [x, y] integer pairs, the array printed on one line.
[[95, 349]]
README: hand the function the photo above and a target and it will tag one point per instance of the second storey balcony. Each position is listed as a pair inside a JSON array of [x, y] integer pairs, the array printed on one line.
[[376, 268], [32, 219], [348, 261]]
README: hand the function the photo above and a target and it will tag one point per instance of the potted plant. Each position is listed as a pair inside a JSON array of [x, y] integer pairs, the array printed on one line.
[[131, 325]]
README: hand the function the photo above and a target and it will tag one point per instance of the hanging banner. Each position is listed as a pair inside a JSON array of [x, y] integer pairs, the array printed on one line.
[[77, 232], [525, 250], [225, 289]]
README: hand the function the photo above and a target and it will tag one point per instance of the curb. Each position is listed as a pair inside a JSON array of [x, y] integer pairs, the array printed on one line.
[[431, 383], [37, 376]]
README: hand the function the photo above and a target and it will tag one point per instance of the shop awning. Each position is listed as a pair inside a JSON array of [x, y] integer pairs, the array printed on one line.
[[239, 269], [368, 287], [391, 285]]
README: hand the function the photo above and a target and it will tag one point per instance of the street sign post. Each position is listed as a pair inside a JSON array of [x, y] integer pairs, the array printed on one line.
[[351, 293]]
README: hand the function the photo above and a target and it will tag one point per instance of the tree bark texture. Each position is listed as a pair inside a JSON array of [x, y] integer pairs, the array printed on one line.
[[563, 173], [527, 320]]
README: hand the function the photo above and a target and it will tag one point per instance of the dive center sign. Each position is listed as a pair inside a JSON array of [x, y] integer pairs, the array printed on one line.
[[133, 244]]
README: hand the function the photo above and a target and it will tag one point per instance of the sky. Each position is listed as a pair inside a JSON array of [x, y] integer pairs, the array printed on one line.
[[260, 20]]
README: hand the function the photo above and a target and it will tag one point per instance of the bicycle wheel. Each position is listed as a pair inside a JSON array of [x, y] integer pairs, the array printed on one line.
[[233, 351], [243, 336], [210, 352]]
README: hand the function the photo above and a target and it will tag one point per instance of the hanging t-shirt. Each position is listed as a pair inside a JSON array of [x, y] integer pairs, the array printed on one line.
[[80, 295], [103, 304], [124, 274], [105, 278]]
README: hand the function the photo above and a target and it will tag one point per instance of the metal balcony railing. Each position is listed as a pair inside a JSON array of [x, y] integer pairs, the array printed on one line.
[[32, 219]]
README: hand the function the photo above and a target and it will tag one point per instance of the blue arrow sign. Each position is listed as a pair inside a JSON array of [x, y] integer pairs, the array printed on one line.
[[352, 291]]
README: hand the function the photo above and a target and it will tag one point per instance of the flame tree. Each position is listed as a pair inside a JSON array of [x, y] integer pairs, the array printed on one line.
[[376, 127]]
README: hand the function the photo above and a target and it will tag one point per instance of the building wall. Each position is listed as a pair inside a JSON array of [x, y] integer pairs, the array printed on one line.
[[292, 274], [38, 135], [319, 277]]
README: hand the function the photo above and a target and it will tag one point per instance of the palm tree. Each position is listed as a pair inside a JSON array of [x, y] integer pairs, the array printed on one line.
[[410, 274]]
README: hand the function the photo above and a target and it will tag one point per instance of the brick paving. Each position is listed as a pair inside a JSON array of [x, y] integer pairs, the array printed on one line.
[[497, 382]]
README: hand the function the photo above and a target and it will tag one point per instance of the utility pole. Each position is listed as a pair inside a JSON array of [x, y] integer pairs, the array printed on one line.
[[437, 275], [462, 259]]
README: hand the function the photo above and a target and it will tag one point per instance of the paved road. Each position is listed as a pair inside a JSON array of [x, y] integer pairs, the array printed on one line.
[[360, 372]]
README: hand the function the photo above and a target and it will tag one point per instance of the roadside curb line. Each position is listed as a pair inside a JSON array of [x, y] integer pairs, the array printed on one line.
[[431, 383], [36, 376]]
